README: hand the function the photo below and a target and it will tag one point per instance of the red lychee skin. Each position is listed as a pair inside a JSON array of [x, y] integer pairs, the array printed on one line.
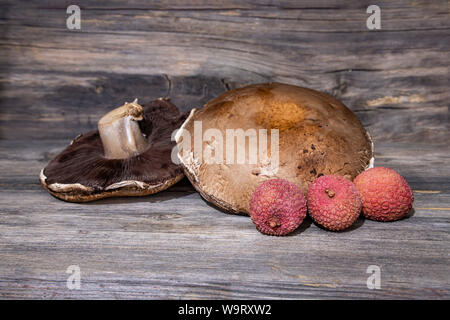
[[333, 202], [386, 195], [277, 207]]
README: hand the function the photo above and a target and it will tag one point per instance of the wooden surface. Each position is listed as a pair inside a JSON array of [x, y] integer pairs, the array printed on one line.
[[174, 245], [56, 83]]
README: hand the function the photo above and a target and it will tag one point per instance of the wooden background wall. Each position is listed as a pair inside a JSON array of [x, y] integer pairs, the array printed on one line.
[[56, 83]]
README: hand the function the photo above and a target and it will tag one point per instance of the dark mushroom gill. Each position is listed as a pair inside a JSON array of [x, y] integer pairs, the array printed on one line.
[[84, 162]]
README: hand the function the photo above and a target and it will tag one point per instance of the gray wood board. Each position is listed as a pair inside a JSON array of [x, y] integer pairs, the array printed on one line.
[[174, 245], [56, 83]]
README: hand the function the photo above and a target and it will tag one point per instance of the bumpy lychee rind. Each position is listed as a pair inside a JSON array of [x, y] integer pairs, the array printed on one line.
[[333, 202], [386, 195], [277, 207]]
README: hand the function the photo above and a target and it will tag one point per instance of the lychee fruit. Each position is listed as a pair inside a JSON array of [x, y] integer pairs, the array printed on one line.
[[386, 196], [277, 207], [333, 202]]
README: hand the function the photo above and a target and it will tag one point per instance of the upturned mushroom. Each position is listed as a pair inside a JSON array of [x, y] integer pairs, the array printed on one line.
[[266, 131], [129, 155]]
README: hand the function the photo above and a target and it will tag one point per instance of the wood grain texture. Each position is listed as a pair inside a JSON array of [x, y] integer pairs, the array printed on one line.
[[57, 83], [174, 245]]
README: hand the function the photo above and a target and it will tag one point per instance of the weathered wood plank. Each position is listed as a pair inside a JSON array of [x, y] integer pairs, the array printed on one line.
[[57, 83], [173, 245]]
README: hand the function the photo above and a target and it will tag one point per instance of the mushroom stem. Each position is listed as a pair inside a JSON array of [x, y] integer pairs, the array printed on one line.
[[120, 133]]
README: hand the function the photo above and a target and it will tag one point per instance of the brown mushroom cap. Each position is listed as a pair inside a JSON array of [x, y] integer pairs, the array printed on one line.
[[82, 173], [318, 135]]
